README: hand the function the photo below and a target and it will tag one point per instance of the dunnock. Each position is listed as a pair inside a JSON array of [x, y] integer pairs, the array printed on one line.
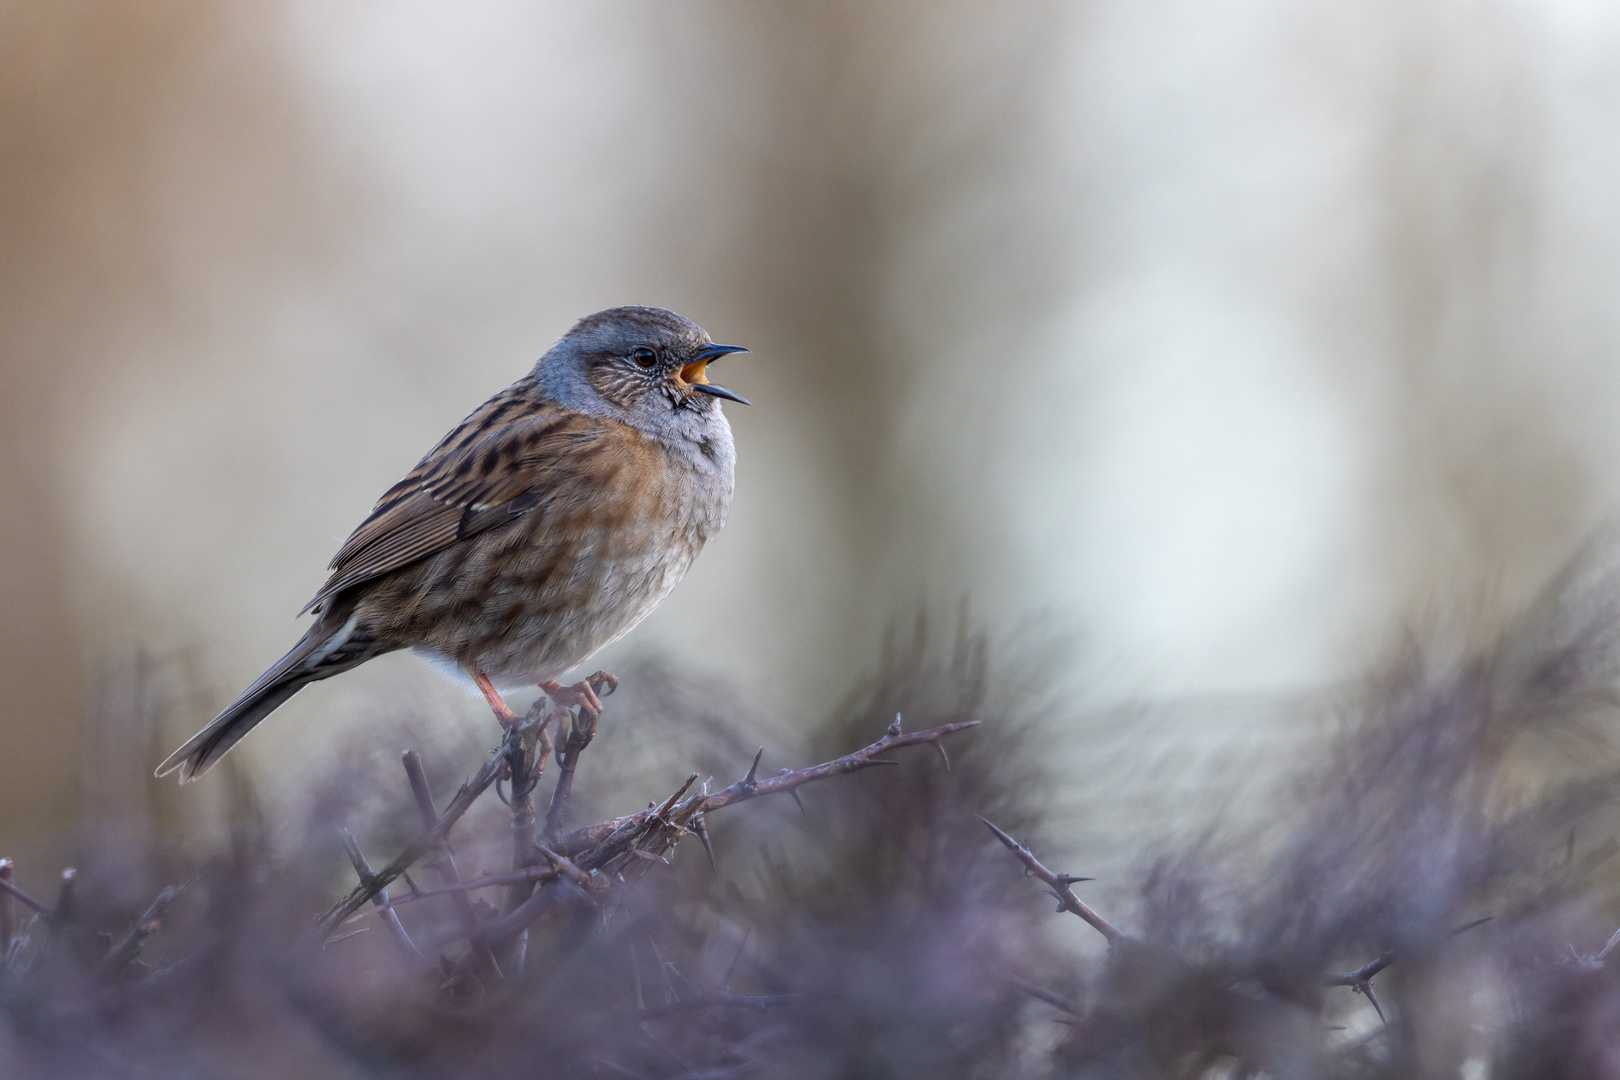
[[545, 526]]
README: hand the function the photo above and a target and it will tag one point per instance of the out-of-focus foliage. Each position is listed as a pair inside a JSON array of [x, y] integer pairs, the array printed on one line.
[[881, 931]]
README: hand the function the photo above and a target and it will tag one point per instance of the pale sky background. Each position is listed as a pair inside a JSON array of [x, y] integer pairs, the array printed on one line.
[[1224, 338]]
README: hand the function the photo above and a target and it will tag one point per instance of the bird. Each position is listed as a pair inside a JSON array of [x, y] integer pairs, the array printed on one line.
[[545, 526]]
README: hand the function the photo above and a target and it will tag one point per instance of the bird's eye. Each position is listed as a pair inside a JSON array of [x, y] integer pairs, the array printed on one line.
[[644, 357]]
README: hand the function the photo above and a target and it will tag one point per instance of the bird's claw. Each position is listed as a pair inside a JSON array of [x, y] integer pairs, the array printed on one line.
[[587, 693], [604, 683]]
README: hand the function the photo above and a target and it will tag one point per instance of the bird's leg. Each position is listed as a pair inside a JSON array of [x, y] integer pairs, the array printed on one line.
[[583, 693], [503, 711]]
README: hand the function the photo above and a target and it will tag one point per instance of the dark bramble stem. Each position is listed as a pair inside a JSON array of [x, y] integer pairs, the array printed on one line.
[[465, 796], [1360, 980], [11, 889], [8, 910], [1041, 993], [526, 759], [362, 870], [611, 848], [466, 885], [510, 925], [1061, 885], [129, 949], [611, 845], [581, 730], [445, 862]]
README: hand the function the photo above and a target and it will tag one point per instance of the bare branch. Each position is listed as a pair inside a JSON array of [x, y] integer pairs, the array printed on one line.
[[1061, 887], [1603, 953], [428, 892], [125, 952], [1041, 993], [446, 865], [468, 793], [8, 909], [1360, 980], [581, 730], [9, 889], [362, 870], [578, 841]]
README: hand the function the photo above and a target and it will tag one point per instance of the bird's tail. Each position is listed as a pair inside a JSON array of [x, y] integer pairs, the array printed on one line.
[[324, 651]]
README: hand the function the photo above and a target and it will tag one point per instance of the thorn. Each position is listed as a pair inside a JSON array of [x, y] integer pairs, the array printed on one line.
[[1012, 845], [894, 728], [943, 756], [753, 770], [701, 827], [1467, 926], [798, 802], [501, 795], [1366, 988], [415, 892], [1070, 879]]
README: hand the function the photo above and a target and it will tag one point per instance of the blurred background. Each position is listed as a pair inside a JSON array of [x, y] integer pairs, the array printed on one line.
[[1216, 342]]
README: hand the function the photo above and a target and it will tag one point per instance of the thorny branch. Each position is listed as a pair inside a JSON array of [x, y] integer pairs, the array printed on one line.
[[128, 950], [445, 862], [362, 870], [593, 845], [1061, 886], [44, 910], [468, 793], [612, 848]]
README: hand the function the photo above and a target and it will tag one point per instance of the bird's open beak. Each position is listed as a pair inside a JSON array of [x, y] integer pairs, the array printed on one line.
[[692, 372]]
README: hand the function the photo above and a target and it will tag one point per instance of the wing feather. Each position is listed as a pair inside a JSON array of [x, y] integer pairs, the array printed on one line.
[[491, 469]]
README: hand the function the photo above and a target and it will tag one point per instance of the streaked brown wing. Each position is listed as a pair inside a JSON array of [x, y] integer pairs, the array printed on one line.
[[490, 469]]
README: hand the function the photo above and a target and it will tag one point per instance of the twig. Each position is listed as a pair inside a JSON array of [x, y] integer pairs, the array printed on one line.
[[1359, 977], [565, 868], [123, 954], [362, 869], [8, 910], [581, 730], [468, 793], [1603, 953], [592, 847], [525, 759], [6, 886], [1061, 887], [1360, 980], [608, 838], [466, 885], [510, 925], [445, 862], [1041, 993]]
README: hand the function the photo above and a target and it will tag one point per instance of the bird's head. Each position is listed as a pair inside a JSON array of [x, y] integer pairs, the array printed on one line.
[[646, 365]]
